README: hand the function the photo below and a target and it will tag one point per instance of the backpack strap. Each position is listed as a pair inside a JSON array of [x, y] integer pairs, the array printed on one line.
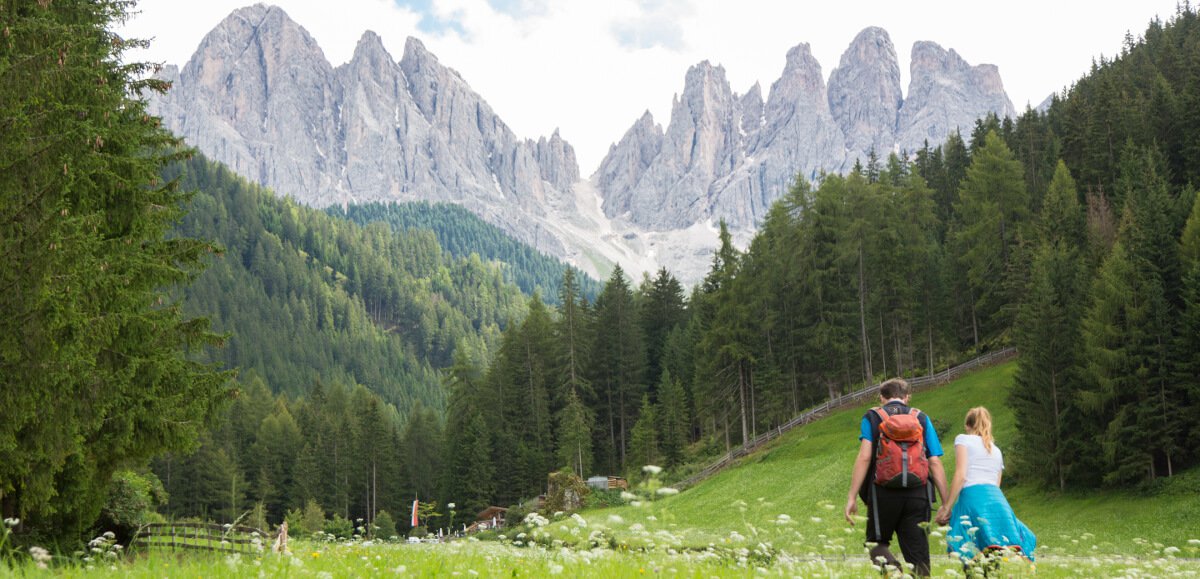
[[881, 412]]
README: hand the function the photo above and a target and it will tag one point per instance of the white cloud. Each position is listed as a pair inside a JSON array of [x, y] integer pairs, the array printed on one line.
[[591, 68]]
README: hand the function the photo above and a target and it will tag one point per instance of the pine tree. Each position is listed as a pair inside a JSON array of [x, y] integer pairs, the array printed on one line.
[[992, 208], [470, 471], [1047, 333], [618, 369], [1120, 332], [575, 436], [93, 368], [673, 421], [643, 439], [662, 310], [1186, 360]]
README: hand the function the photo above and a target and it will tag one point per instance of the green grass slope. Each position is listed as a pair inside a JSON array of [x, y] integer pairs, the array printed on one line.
[[805, 475]]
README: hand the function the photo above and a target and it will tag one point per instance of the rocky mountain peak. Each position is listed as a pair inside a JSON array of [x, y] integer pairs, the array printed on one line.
[[370, 48], [801, 71], [752, 109], [946, 94], [865, 94]]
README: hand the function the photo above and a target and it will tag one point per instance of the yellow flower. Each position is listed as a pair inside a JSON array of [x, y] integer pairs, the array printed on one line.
[[316, 554]]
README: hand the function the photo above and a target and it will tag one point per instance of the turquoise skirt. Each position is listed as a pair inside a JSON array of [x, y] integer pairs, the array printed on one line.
[[982, 518]]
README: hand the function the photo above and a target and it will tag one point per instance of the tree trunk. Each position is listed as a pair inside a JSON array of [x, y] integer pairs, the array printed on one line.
[[744, 409], [882, 346], [862, 320]]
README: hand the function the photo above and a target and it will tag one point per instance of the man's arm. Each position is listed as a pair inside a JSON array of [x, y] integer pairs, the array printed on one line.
[[859, 475], [938, 473]]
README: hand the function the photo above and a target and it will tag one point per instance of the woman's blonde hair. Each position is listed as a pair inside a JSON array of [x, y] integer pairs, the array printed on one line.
[[979, 422]]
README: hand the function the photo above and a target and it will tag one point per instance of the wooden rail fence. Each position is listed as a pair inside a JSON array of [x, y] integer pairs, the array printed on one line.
[[839, 402], [202, 537]]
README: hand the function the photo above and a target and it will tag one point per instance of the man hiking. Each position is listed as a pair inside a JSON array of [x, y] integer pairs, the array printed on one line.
[[898, 457]]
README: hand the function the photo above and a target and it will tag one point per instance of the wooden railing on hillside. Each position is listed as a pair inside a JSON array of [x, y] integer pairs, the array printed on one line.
[[202, 537], [839, 402]]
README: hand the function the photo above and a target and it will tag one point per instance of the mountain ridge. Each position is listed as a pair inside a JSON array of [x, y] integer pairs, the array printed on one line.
[[260, 96]]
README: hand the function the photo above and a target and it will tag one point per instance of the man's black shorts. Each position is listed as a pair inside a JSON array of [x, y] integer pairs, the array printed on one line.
[[901, 516]]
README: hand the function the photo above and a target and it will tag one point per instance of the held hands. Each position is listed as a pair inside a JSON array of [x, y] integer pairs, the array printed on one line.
[[943, 515]]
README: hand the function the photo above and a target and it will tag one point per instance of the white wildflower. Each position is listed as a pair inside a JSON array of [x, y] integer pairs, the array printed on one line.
[[668, 491], [450, 505], [652, 469], [40, 556], [12, 522], [615, 519], [628, 496], [578, 520], [555, 569]]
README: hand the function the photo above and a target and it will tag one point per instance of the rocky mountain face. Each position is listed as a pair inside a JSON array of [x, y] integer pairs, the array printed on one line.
[[260, 96], [728, 157], [947, 93]]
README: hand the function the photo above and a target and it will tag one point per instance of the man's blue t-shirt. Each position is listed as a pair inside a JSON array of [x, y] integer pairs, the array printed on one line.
[[933, 447]]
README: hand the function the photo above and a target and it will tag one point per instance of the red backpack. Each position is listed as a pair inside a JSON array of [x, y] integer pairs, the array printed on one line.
[[900, 460]]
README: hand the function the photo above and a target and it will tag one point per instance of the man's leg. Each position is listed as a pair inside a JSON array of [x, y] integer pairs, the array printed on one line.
[[914, 540], [882, 518]]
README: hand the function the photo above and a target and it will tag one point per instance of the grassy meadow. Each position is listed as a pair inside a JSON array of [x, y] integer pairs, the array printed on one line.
[[776, 513]]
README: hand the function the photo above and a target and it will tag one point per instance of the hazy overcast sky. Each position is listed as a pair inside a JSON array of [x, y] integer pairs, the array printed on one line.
[[590, 68]]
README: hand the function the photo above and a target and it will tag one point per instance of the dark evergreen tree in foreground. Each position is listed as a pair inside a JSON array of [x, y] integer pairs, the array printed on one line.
[[94, 371]]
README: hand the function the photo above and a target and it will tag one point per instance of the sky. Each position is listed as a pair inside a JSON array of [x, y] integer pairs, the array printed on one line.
[[590, 68]]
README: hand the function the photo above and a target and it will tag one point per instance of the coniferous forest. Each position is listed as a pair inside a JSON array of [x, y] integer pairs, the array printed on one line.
[[180, 339], [462, 233]]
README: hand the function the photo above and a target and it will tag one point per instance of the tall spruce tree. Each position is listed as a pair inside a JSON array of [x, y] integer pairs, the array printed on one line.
[[94, 374], [618, 359], [643, 438], [993, 205], [1047, 333], [673, 421]]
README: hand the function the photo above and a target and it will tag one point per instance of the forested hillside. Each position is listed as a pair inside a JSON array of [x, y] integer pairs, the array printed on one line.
[[339, 333], [462, 233], [307, 297]]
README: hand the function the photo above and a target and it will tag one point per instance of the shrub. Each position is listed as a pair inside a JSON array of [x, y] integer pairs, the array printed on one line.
[[314, 517], [339, 527], [383, 526], [132, 498]]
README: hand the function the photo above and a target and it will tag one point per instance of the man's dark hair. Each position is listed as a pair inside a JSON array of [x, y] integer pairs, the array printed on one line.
[[894, 388]]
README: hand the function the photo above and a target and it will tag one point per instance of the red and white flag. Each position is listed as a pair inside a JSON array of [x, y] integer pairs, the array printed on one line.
[[414, 513]]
